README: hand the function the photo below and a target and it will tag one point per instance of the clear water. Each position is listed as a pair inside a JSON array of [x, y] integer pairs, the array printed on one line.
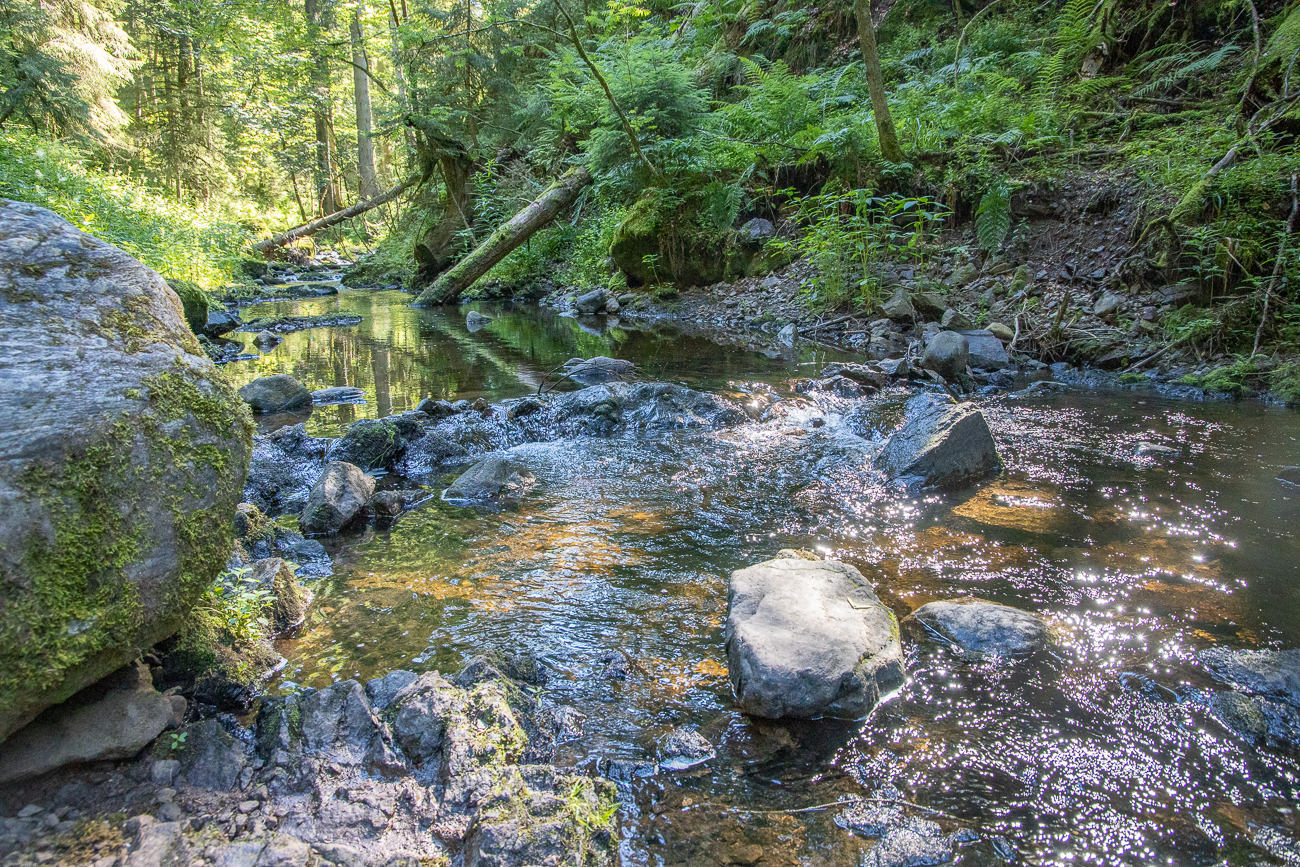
[[1089, 754]]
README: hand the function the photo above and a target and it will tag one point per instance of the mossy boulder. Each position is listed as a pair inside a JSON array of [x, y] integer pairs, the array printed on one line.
[[194, 301], [656, 244], [122, 456]]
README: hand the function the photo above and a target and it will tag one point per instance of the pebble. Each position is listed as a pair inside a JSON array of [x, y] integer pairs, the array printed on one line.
[[29, 811], [247, 807]]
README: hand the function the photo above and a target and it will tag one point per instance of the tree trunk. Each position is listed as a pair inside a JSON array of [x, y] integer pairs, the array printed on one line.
[[876, 83], [326, 197], [506, 238], [265, 247], [434, 252], [368, 186]]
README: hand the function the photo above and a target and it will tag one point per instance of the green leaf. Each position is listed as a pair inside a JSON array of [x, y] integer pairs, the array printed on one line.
[[993, 217]]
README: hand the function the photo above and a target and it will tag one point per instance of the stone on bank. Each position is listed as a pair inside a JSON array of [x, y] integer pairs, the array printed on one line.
[[809, 639], [124, 452]]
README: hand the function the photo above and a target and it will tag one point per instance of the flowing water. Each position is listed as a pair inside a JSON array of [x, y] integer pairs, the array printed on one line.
[[1096, 752]]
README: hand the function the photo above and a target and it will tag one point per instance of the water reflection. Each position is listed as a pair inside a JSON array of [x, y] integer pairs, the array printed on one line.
[[1092, 752], [399, 355]]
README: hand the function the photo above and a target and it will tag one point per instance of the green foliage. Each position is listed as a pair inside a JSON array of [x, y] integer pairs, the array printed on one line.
[[1285, 383], [1233, 379], [993, 217], [60, 66], [852, 234], [178, 242]]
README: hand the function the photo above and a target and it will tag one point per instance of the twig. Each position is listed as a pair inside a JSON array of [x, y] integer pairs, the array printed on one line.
[[1141, 363], [956, 60], [1281, 258], [830, 322]]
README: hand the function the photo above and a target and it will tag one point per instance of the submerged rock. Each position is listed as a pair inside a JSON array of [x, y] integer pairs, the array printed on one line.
[[982, 630], [491, 478], [475, 321], [1265, 706], [589, 371], [114, 719], [941, 445], [809, 639], [337, 499], [278, 393], [684, 748], [124, 455], [1290, 475]]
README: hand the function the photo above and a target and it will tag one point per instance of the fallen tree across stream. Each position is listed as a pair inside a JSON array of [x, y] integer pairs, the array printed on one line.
[[515, 231], [276, 241]]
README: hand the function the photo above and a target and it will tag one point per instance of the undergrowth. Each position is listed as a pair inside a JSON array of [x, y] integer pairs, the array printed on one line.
[[178, 241]]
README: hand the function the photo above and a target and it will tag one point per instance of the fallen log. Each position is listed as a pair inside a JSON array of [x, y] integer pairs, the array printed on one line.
[[506, 238], [275, 241]]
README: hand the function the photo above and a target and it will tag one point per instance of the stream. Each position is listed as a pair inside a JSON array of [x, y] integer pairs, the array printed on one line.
[[617, 563]]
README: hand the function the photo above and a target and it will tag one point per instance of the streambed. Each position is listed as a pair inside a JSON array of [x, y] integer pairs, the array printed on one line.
[[614, 571]]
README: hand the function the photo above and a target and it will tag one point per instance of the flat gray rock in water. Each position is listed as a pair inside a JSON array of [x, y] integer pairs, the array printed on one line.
[[981, 630], [492, 477], [941, 445], [338, 394], [278, 393], [589, 371], [684, 748], [1274, 673], [809, 639], [1290, 475]]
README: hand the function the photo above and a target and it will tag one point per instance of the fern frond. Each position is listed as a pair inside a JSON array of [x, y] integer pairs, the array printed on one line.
[[993, 217]]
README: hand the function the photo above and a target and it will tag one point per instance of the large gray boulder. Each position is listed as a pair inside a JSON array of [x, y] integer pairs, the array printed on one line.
[[113, 722], [946, 354], [984, 349], [941, 444], [809, 639], [493, 477], [589, 371], [337, 499], [978, 630], [278, 393], [122, 456]]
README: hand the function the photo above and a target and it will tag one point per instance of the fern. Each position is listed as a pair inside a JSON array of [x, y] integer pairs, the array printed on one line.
[[993, 217], [1074, 36]]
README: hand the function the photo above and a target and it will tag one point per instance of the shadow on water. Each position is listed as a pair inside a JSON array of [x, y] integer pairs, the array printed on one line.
[[614, 570]]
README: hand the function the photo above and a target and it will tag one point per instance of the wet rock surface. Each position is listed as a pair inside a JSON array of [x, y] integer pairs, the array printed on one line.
[[809, 639], [491, 478], [278, 393], [941, 444], [283, 467], [426, 772], [337, 499], [981, 630]]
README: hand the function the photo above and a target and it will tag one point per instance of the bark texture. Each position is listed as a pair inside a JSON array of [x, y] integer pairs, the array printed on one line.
[[514, 232]]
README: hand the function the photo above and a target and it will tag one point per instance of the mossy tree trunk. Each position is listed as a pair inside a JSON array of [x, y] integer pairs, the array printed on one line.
[[518, 229], [889, 147]]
